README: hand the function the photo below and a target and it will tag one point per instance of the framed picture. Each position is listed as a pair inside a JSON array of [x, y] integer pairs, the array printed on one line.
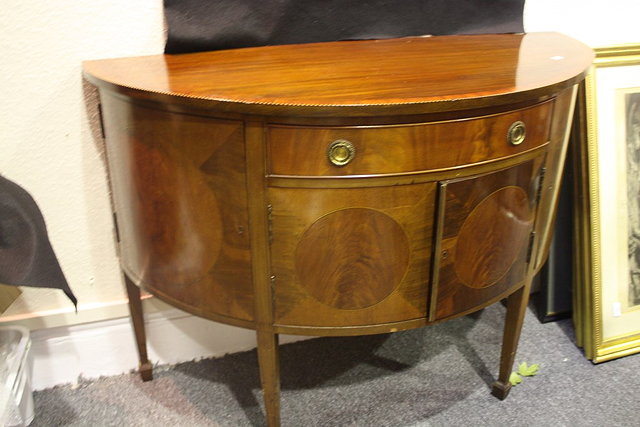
[[607, 208]]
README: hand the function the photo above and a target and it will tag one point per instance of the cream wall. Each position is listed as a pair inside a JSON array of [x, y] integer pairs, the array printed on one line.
[[47, 143], [594, 22]]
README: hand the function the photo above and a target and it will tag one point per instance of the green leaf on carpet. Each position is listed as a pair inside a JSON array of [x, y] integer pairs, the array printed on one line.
[[528, 371], [524, 370], [515, 379]]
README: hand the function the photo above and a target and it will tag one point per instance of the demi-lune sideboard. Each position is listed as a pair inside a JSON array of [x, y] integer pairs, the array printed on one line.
[[343, 188]]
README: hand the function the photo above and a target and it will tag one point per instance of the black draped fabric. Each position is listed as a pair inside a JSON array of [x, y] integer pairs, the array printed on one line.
[[26, 256], [200, 25]]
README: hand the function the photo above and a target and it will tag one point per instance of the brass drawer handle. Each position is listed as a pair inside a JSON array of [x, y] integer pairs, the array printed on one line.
[[517, 133], [341, 152]]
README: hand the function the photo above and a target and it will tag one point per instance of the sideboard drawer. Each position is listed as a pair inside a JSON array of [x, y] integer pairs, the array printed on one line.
[[378, 150]]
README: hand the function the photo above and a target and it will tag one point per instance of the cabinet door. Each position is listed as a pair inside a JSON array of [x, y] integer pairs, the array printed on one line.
[[484, 228], [351, 257]]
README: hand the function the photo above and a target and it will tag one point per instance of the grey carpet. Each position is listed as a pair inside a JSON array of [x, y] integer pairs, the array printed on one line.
[[433, 376]]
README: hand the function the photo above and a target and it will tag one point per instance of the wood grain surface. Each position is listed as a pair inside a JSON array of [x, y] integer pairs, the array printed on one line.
[[549, 193], [485, 224], [228, 207], [394, 76], [406, 211], [366, 256], [302, 151], [180, 198]]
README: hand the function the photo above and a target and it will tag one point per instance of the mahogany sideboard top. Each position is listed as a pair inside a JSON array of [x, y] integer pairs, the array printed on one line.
[[413, 75], [339, 188]]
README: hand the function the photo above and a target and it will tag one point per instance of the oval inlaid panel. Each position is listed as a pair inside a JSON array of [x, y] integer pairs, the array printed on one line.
[[352, 258], [492, 236]]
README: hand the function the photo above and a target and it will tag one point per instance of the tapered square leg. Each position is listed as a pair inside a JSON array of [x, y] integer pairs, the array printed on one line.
[[270, 375], [516, 307], [137, 320]]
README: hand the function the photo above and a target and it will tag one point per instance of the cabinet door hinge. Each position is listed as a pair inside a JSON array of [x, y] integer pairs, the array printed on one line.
[[272, 280], [532, 238], [543, 171], [270, 222], [116, 232], [115, 227], [100, 119]]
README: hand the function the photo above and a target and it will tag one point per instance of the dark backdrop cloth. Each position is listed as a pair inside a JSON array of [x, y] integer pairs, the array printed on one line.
[[26, 256], [200, 25]]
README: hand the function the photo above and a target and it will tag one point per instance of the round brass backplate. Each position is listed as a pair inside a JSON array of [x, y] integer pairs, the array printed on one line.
[[341, 152], [517, 133]]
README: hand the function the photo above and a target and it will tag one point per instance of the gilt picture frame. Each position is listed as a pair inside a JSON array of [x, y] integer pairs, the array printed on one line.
[[607, 206]]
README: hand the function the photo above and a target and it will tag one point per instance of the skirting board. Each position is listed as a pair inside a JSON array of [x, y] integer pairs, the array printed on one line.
[[67, 354]]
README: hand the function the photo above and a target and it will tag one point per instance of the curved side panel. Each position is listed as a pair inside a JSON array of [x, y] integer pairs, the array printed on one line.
[[178, 184], [554, 165]]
